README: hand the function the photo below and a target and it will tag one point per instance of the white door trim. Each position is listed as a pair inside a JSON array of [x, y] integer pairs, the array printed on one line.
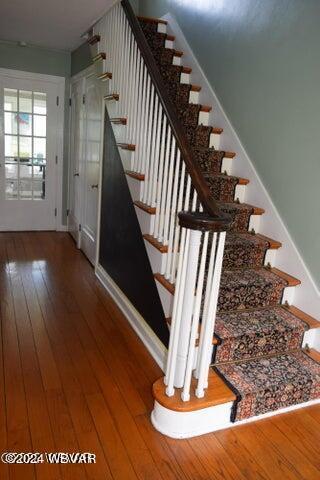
[[59, 82]]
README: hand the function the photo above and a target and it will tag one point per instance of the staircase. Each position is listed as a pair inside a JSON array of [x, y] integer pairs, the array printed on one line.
[[236, 342]]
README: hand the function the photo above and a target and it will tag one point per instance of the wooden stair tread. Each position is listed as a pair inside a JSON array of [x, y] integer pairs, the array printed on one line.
[[99, 56], [171, 38], [229, 154], [93, 40], [258, 211], [314, 354], [176, 53], [151, 20], [243, 181], [195, 88], [159, 246], [273, 244], [217, 130], [145, 208], [135, 175], [311, 321], [215, 341], [112, 96], [217, 393], [292, 281], [119, 120], [165, 283], [126, 146], [186, 70], [104, 75], [205, 108]]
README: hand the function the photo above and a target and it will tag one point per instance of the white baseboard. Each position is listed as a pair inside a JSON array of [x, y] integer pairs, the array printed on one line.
[[199, 422], [288, 258], [155, 347]]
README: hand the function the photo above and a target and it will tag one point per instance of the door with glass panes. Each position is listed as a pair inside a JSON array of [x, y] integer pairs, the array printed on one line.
[[27, 154]]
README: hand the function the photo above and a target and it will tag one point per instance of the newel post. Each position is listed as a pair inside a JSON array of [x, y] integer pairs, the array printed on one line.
[[195, 302]]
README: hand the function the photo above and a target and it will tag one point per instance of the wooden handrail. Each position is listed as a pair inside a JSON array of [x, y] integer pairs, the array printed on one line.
[[209, 204]]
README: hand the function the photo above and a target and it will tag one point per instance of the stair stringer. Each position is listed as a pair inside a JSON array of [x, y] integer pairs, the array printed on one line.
[[288, 258]]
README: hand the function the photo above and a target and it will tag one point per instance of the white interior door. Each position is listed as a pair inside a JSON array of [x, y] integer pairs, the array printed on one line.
[[91, 165], [76, 151], [28, 150]]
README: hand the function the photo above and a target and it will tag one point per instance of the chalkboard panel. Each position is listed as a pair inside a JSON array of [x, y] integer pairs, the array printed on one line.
[[122, 250]]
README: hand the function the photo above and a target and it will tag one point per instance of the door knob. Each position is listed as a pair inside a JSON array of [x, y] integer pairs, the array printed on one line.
[[76, 174], [94, 186]]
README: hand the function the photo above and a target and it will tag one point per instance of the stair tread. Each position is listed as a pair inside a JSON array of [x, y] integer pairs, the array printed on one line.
[[268, 384], [151, 20], [311, 321], [256, 333], [158, 245], [135, 175], [146, 208], [217, 393]]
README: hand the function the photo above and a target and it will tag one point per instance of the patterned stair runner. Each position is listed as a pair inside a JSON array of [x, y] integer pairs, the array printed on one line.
[[259, 341]]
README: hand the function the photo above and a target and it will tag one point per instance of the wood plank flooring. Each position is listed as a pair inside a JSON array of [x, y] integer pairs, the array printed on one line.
[[75, 377]]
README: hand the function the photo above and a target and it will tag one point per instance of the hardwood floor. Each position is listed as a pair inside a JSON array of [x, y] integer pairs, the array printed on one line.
[[74, 377]]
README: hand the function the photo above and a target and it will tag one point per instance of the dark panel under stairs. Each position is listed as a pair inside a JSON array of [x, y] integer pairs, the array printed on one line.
[[122, 250]]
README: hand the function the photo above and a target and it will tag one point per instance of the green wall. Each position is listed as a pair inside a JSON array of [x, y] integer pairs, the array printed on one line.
[[262, 59], [49, 62]]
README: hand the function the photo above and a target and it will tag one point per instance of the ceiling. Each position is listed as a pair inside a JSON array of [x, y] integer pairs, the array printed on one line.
[[49, 23]]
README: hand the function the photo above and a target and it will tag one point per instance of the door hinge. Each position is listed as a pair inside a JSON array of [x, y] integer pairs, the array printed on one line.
[[57, 101], [79, 227], [68, 211], [56, 159], [55, 212], [83, 99], [70, 102]]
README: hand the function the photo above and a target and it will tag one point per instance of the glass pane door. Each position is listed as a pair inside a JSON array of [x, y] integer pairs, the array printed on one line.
[[25, 145]]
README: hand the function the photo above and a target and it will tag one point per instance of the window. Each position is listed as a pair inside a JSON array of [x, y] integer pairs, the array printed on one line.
[[25, 125]]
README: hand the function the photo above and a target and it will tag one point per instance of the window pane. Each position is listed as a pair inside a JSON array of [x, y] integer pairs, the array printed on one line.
[[39, 125], [25, 123], [39, 148], [40, 103], [39, 173], [11, 189], [11, 171], [25, 101], [25, 172], [25, 147], [25, 189], [10, 99], [39, 190], [39, 161], [10, 123], [11, 146]]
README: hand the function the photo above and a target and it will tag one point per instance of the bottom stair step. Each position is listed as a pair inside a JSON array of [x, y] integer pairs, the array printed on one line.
[[257, 333], [269, 384]]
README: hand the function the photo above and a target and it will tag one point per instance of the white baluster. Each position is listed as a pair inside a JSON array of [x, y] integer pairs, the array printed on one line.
[[195, 321], [209, 321], [187, 307], [176, 313]]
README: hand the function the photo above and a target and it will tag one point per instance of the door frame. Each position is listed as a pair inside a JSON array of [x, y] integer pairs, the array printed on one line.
[[59, 83], [81, 77]]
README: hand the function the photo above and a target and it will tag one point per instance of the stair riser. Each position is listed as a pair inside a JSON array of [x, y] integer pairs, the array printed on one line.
[[185, 78], [168, 44], [135, 187], [162, 28], [156, 258], [215, 140], [145, 220], [166, 299], [194, 97], [176, 60]]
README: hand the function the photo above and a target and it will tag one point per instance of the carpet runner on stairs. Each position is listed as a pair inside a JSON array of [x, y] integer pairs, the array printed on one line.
[[259, 341]]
